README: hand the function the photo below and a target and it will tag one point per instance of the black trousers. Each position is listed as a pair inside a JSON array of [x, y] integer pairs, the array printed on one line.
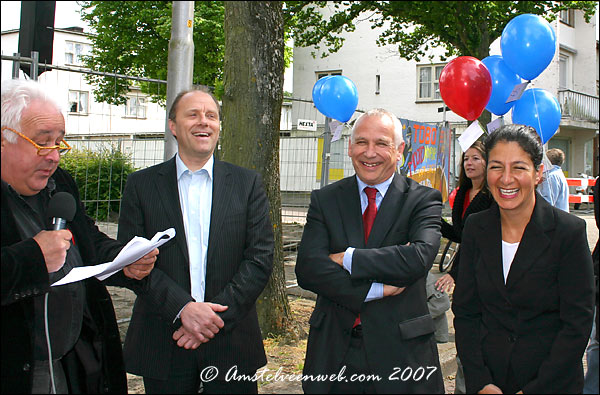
[[185, 378]]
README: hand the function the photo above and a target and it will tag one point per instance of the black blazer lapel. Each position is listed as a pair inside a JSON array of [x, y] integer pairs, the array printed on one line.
[[166, 181], [387, 213], [534, 241], [221, 196], [490, 240], [348, 200]]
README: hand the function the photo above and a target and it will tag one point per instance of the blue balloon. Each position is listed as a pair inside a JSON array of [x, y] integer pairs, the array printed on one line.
[[504, 81], [528, 44], [337, 98], [316, 92], [540, 110]]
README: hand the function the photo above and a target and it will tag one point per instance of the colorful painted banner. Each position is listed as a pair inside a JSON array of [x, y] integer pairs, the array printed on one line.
[[427, 154]]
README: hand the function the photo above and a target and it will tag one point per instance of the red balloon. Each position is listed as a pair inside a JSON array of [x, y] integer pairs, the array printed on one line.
[[466, 86]]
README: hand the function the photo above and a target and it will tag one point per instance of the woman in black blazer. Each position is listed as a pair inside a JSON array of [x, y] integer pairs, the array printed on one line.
[[472, 197], [523, 305]]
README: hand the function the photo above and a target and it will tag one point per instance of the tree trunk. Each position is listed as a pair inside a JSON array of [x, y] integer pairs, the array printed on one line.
[[253, 92]]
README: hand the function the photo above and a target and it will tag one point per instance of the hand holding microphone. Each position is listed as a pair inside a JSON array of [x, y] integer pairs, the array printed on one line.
[[55, 243]]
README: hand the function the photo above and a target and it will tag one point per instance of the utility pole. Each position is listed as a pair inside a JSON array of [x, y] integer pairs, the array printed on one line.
[[180, 69]]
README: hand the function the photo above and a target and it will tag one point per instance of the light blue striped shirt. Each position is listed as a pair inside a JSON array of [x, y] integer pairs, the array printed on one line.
[[195, 198], [376, 291]]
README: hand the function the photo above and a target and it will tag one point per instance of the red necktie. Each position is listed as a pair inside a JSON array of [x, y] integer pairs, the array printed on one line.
[[368, 219], [370, 212]]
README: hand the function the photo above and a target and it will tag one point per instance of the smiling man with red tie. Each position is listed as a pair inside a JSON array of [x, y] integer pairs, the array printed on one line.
[[368, 244]]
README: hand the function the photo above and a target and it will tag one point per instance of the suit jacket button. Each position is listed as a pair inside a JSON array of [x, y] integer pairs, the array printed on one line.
[[512, 338], [26, 367]]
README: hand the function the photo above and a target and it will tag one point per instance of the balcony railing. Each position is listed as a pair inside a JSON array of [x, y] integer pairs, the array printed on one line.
[[577, 105]]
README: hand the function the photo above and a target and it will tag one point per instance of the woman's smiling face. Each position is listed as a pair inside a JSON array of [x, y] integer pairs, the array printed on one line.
[[512, 176]]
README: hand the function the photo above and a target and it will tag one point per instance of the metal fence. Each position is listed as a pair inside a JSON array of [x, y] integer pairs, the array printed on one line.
[[301, 163]]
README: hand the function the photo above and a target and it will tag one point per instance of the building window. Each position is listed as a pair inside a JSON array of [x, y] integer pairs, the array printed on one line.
[[428, 87], [568, 17], [78, 102], [321, 74], [74, 51], [136, 107], [565, 74], [377, 84]]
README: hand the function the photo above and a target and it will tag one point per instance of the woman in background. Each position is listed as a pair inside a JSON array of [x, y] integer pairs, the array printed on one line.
[[523, 305], [472, 196]]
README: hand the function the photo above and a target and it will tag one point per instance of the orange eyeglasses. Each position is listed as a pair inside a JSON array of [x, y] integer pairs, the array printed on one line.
[[62, 148]]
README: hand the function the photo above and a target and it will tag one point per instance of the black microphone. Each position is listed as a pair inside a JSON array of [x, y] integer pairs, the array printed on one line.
[[61, 209]]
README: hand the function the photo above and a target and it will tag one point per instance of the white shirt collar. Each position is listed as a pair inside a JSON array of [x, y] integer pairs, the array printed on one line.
[[182, 168], [381, 188]]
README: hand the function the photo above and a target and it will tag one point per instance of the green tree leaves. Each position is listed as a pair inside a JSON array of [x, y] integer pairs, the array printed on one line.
[[461, 27], [132, 38]]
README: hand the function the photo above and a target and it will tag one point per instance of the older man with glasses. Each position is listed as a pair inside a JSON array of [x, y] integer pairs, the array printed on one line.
[[61, 339]]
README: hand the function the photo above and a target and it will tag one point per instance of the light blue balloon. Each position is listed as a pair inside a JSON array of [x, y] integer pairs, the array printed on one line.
[[528, 44], [338, 98], [316, 92], [540, 110], [504, 81]]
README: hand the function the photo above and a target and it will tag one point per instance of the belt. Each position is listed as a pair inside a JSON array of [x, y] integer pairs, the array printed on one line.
[[357, 331]]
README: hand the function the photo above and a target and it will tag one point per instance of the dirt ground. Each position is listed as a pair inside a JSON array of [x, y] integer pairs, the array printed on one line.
[[280, 354]]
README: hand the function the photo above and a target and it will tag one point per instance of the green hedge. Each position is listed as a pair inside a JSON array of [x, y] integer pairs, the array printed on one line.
[[100, 177]]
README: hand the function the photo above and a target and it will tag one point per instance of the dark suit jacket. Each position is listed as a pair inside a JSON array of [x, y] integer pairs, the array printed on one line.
[[397, 331], [537, 325], [25, 277], [239, 263]]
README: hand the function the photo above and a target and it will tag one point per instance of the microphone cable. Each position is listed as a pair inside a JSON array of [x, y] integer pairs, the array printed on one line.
[[50, 362], [61, 208]]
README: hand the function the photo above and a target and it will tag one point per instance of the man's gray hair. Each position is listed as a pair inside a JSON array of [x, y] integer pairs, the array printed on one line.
[[16, 96], [380, 112]]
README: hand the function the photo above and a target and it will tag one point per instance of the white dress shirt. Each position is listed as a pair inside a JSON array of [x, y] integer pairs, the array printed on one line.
[[195, 198]]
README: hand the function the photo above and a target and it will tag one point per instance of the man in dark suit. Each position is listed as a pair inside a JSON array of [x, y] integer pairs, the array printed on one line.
[[198, 319], [61, 339], [368, 244]]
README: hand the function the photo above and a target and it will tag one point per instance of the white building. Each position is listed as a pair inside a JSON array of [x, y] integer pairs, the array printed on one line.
[[85, 116], [410, 89], [88, 122]]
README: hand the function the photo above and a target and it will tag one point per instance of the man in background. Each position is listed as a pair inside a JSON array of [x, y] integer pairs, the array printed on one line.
[[554, 188]]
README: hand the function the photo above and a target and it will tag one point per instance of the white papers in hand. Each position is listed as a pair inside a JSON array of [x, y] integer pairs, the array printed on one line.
[[134, 250]]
